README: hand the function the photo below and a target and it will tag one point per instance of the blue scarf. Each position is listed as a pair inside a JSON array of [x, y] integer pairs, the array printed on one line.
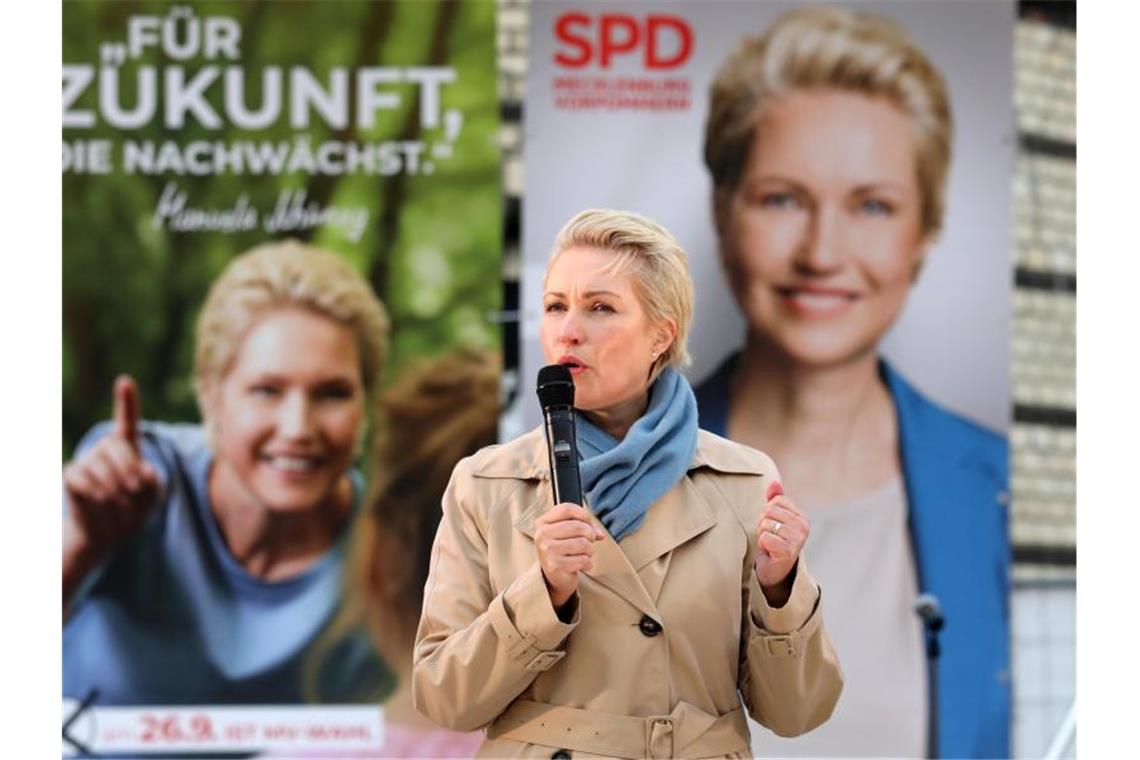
[[623, 479]]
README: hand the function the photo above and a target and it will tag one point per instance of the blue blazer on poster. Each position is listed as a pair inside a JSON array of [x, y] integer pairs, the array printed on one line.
[[957, 475]]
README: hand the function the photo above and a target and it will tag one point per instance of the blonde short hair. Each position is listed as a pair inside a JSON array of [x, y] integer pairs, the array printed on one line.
[[280, 275], [831, 48], [658, 263]]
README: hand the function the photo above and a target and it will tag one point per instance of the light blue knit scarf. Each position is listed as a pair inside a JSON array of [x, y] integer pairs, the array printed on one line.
[[623, 479]]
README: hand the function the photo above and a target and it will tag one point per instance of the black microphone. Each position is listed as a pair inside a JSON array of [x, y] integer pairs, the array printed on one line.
[[556, 395]]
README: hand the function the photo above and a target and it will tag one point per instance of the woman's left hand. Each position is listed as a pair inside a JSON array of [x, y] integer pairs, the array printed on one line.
[[780, 537]]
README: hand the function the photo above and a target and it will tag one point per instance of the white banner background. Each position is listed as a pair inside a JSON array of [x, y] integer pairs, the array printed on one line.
[[280, 730]]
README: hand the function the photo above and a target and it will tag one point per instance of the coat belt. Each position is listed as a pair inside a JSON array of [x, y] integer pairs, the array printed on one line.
[[685, 732]]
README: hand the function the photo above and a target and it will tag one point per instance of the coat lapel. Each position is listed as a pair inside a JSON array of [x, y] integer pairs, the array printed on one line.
[[630, 569], [680, 515], [612, 568], [953, 490]]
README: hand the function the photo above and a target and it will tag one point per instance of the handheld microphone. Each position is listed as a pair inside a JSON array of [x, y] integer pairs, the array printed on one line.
[[556, 395]]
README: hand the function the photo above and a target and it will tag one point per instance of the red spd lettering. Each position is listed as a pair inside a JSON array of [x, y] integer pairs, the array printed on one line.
[[564, 30], [619, 34], [666, 41], [660, 27]]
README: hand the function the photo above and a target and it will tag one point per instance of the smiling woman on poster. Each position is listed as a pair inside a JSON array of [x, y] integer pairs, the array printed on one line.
[[633, 627], [201, 562], [828, 143]]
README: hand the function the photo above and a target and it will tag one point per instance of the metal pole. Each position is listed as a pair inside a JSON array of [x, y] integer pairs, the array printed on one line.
[[932, 653], [930, 611], [1064, 734]]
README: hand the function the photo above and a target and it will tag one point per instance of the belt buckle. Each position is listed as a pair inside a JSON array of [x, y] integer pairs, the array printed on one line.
[[660, 736]]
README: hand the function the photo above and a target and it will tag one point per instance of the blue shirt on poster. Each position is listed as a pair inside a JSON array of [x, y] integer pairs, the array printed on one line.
[[173, 618], [957, 477]]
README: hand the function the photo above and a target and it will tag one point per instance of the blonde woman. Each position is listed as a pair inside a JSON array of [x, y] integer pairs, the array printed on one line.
[[632, 626], [201, 561], [828, 143]]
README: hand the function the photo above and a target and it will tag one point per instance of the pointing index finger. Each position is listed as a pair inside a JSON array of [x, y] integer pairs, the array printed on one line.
[[126, 410]]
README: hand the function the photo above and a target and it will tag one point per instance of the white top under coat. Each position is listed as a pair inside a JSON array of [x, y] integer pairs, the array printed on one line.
[[860, 554]]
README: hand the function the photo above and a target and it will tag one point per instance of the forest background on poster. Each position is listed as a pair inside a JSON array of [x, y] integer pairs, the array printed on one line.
[[193, 132]]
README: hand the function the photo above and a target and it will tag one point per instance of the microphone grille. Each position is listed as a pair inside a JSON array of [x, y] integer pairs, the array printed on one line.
[[555, 386]]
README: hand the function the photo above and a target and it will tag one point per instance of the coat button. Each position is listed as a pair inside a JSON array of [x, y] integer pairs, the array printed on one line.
[[649, 626], [560, 755]]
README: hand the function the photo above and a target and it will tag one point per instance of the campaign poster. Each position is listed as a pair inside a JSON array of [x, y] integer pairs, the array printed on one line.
[[194, 132], [800, 210], [616, 102]]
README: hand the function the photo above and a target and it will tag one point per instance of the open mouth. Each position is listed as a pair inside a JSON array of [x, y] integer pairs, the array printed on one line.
[[573, 363]]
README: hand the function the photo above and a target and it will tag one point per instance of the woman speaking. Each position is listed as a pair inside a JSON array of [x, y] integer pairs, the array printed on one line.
[[631, 627]]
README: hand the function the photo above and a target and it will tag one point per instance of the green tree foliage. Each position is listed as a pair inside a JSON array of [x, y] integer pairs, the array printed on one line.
[[432, 246]]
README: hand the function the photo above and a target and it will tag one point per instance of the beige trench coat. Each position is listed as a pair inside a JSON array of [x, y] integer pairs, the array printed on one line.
[[670, 630]]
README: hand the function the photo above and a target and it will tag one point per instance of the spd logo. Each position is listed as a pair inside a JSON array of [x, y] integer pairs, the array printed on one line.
[[664, 41]]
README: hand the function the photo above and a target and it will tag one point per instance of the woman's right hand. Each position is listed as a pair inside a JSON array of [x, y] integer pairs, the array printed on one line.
[[110, 489], [564, 537]]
